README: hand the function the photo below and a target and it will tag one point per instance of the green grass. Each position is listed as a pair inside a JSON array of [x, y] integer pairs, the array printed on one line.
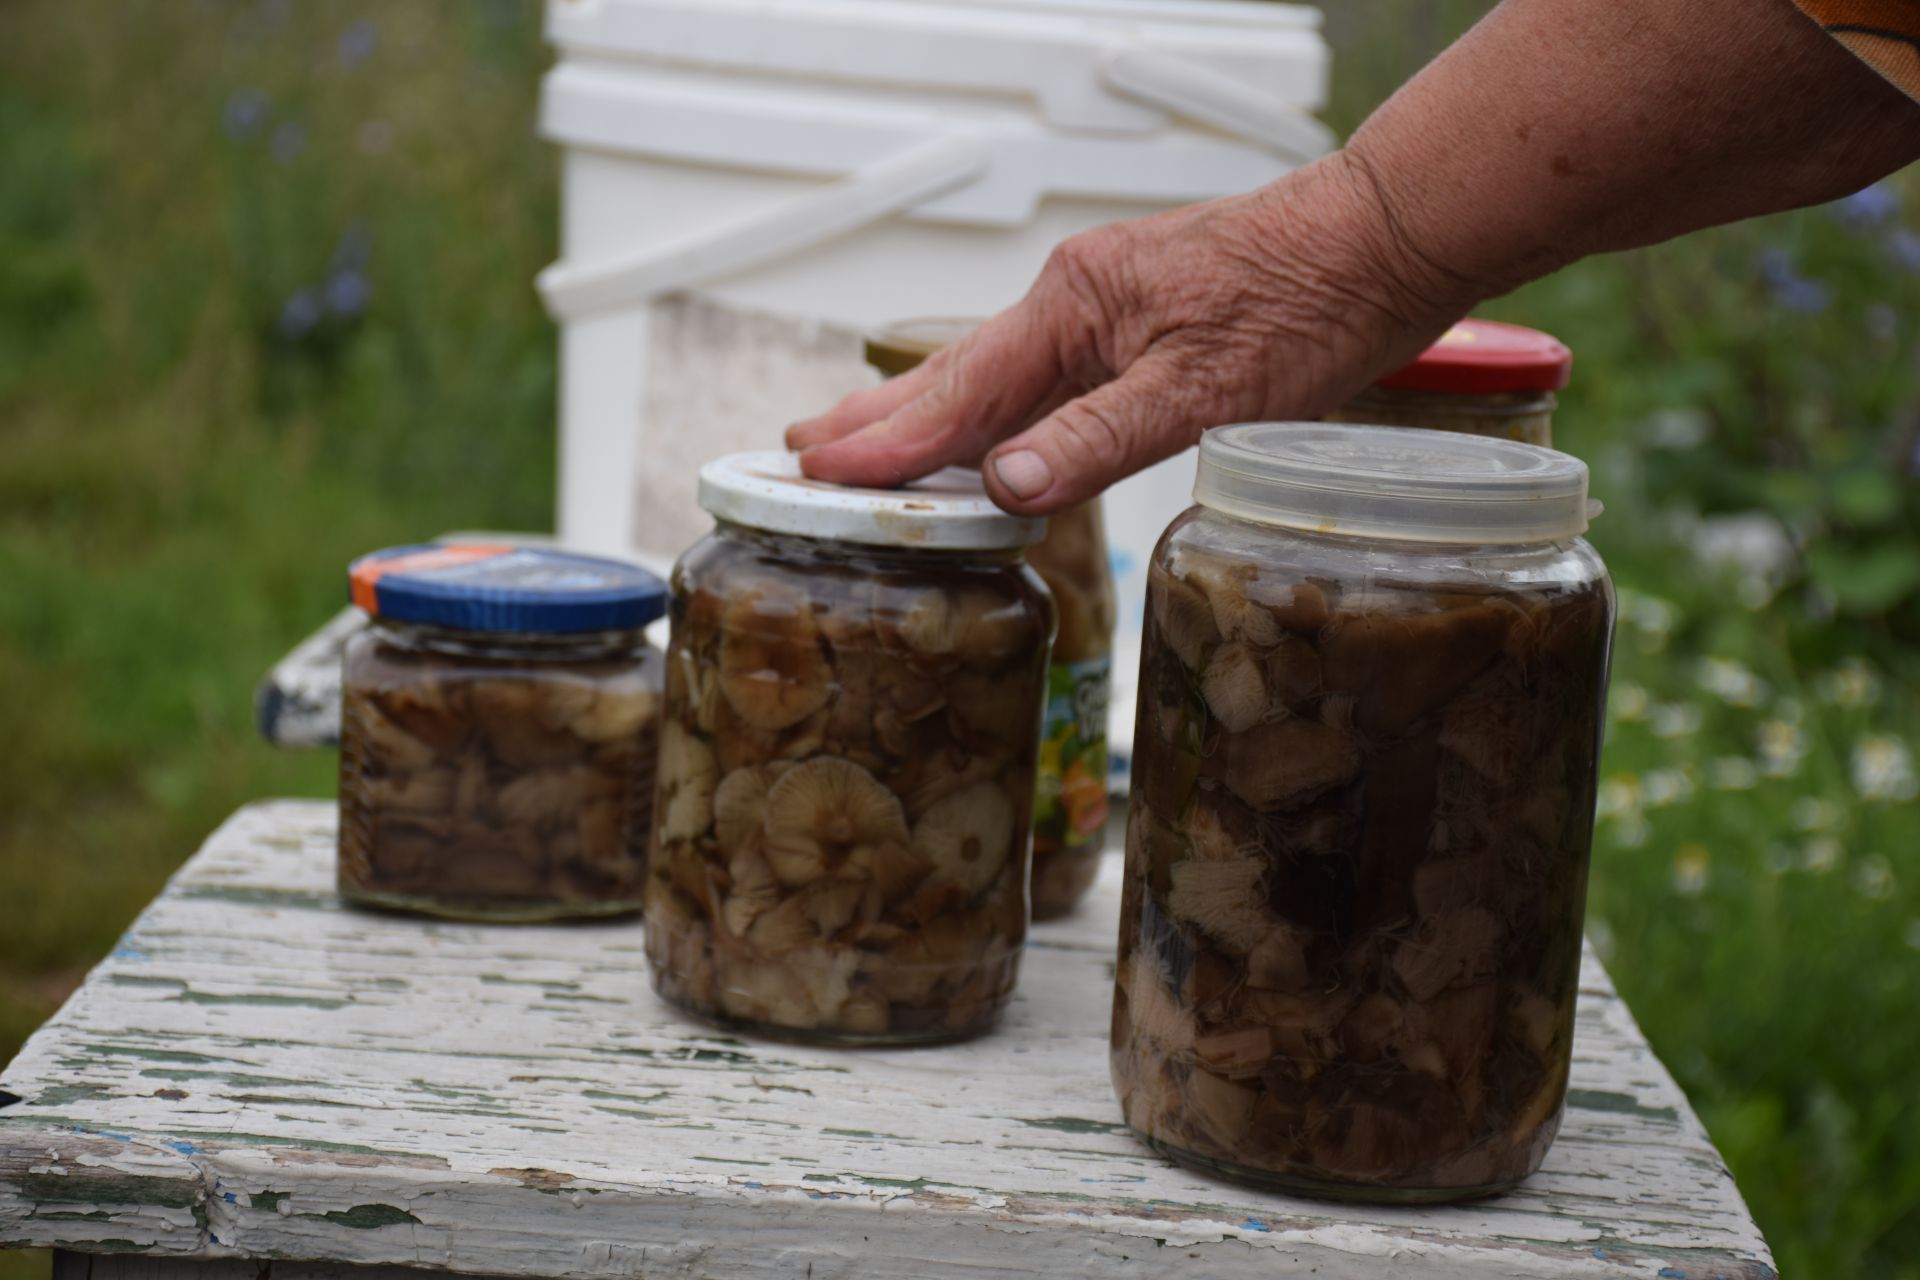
[[182, 482]]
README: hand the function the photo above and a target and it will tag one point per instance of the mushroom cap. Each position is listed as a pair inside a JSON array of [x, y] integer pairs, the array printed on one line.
[[1183, 617], [1154, 1017], [687, 775], [772, 671], [1282, 763], [740, 801], [1225, 900], [1235, 613], [1235, 686], [967, 836], [752, 891], [822, 809], [382, 739], [975, 626]]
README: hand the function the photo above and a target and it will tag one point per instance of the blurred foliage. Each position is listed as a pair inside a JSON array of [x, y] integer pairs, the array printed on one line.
[[265, 303]]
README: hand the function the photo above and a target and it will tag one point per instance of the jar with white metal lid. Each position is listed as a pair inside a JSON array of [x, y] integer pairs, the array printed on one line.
[[1371, 691], [855, 680]]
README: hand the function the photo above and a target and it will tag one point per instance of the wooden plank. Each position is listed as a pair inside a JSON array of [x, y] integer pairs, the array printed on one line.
[[259, 1071], [298, 703]]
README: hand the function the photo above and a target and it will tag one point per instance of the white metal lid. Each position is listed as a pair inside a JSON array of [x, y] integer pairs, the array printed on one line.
[[946, 511], [1400, 483]]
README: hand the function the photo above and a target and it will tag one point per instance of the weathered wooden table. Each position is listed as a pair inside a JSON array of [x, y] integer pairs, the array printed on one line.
[[260, 1080]]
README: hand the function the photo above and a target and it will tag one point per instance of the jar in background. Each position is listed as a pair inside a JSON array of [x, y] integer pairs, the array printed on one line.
[[498, 729], [1482, 378], [1371, 690], [1070, 799], [854, 687]]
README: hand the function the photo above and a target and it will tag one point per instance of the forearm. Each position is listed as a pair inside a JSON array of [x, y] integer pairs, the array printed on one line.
[[1560, 128], [1556, 129]]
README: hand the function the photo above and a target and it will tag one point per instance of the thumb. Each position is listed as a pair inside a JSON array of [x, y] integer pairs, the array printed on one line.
[[1150, 412]]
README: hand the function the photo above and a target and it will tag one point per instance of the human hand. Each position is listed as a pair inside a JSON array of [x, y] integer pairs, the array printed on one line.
[[1139, 336]]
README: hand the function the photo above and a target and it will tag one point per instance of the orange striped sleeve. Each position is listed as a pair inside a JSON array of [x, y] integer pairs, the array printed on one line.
[[1884, 33]]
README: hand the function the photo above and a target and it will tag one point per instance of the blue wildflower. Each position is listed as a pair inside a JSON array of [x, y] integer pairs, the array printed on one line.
[[1904, 247], [245, 113], [1868, 207], [1803, 296], [357, 43], [289, 140], [347, 293], [352, 250], [301, 315], [1789, 288]]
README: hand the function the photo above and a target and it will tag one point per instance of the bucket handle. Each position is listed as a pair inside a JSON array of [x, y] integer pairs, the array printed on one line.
[[1185, 88], [886, 187]]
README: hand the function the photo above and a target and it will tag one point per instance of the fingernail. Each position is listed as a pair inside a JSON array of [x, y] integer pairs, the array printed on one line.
[[1024, 472]]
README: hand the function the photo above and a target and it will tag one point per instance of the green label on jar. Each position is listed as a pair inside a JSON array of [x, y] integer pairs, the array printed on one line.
[[1070, 803]]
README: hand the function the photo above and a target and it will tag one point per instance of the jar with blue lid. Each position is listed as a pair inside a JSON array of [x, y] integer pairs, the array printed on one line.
[[499, 727]]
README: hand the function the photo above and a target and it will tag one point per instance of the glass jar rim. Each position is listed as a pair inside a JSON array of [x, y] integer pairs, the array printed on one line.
[[1398, 483]]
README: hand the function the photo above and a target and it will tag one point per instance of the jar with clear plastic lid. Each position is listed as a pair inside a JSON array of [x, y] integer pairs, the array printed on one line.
[[1071, 803], [1481, 378], [1371, 696], [499, 718], [854, 687]]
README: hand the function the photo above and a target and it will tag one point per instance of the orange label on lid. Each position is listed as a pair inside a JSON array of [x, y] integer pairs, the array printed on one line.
[[369, 573]]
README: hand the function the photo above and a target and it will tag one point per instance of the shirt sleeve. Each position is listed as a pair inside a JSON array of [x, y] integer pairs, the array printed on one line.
[[1884, 33]]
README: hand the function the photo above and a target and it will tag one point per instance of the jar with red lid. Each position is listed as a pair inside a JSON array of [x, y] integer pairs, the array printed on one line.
[[1482, 378], [1070, 800]]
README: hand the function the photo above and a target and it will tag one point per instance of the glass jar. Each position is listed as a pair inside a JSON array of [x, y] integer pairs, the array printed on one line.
[[1070, 799], [499, 721], [1482, 378], [1070, 809], [854, 688], [1371, 690]]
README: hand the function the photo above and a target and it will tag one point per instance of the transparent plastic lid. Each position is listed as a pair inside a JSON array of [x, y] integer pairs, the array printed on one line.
[[946, 511], [1399, 483]]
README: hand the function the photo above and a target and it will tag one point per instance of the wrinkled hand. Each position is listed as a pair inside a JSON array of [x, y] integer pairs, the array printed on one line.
[[1139, 336]]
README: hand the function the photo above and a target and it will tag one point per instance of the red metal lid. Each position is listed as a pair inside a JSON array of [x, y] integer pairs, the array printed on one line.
[[1484, 357]]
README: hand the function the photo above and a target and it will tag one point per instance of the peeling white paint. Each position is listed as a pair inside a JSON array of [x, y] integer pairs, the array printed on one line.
[[259, 1072]]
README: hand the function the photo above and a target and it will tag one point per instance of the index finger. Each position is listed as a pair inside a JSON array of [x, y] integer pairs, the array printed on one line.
[[975, 393]]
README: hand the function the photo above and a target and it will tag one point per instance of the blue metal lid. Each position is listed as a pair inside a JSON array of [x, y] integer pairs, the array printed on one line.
[[501, 587]]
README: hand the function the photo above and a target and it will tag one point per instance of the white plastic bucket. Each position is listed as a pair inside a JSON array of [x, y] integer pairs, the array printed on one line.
[[749, 184]]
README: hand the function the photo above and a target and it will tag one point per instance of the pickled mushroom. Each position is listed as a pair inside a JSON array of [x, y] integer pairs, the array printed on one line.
[[690, 774], [1185, 618], [967, 836], [1235, 686], [1287, 762], [818, 811], [740, 801], [771, 669], [487, 787]]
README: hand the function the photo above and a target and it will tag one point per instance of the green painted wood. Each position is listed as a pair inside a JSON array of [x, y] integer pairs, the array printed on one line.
[[260, 1072]]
